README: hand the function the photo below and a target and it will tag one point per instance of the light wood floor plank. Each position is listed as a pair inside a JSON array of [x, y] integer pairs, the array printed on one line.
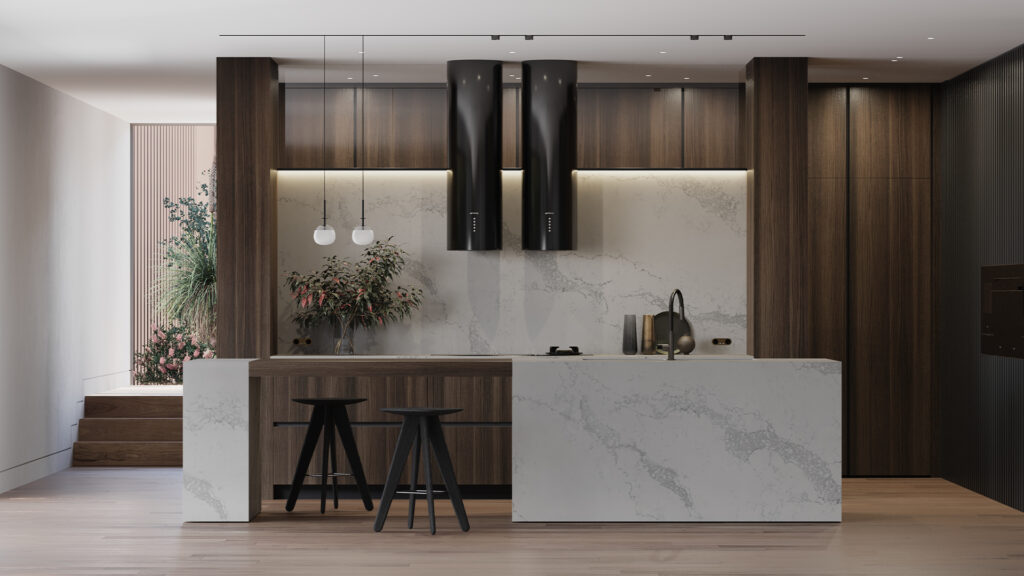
[[128, 521]]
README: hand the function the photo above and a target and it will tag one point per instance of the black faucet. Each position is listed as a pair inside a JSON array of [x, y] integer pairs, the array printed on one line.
[[672, 322]]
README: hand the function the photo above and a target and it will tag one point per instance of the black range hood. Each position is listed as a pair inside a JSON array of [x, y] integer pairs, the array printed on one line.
[[474, 155], [549, 154]]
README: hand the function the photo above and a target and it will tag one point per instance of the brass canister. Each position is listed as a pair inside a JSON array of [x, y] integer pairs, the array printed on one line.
[[648, 335]]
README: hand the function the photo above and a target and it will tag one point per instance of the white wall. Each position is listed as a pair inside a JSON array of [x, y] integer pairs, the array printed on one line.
[[641, 234], [65, 270]]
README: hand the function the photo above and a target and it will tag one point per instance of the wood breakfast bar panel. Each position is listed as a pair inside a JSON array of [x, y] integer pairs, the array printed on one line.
[[479, 437]]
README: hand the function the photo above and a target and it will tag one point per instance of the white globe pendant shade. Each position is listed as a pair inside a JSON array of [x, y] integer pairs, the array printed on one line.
[[362, 235], [324, 235]]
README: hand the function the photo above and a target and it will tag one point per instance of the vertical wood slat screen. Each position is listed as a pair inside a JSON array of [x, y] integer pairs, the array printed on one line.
[[167, 162]]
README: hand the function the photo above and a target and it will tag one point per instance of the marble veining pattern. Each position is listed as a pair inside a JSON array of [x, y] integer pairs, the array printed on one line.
[[694, 440], [641, 234], [216, 442]]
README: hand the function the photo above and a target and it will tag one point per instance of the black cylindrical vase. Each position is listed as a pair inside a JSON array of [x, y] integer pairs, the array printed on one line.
[[474, 155], [549, 154]]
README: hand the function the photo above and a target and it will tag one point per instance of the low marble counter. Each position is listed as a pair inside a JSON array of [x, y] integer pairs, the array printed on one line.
[[716, 440]]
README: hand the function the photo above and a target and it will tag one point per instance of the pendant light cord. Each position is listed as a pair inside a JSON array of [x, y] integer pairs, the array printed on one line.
[[362, 201], [323, 146]]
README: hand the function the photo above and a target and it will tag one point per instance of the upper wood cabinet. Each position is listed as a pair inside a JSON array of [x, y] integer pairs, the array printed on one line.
[[826, 131], [629, 128], [407, 128], [890, 132], [713, 128], [304, 110]]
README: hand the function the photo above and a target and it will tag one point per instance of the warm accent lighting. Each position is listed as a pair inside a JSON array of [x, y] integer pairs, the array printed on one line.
[[360, 235], [324, 235]]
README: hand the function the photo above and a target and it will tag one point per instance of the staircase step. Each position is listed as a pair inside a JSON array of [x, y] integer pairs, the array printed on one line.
[[126, 454], [132, 406], [129, 429]]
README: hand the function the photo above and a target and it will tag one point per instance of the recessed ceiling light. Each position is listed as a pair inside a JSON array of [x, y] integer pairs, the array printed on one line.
[[662, 52], [931, 37], [349, 77], [511, 51], [360, 52], [865, 78], [647, 75], [376, 75], [686, 77], [894, 60], [899, 57]]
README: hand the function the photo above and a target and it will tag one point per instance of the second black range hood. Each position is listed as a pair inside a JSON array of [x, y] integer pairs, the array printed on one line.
[[549, 154]]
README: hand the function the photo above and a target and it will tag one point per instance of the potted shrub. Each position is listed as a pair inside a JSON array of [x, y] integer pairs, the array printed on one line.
[[350, 295]]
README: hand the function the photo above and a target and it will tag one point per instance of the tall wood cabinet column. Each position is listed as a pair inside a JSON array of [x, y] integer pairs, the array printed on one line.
[[776, 133], [248, 135]]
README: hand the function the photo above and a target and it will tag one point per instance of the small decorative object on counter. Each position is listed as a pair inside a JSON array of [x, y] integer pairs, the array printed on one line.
[[629, 334], [648, 337]]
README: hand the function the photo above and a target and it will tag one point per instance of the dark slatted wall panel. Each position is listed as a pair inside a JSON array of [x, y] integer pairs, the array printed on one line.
[[981, 178]]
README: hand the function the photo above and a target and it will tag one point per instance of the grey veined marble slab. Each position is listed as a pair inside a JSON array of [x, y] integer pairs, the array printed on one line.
[[723, 441], [220, 438]]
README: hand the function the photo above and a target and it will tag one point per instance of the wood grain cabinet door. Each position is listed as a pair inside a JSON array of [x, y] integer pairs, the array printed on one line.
[[633, 128]]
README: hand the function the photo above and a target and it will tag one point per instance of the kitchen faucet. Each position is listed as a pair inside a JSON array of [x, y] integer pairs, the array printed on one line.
[[672, 322]]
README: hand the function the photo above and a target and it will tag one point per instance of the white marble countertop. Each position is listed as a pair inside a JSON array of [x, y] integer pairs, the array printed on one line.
[[515, 357]]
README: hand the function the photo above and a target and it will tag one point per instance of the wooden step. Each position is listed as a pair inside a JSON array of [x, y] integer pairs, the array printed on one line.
[[133, 406], [127, 454], [129, 429]]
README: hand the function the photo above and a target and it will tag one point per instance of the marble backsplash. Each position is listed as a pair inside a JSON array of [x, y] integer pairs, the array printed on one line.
[[641, 234]]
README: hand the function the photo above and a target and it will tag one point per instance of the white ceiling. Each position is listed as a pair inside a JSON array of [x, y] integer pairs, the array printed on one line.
[[152, 61]]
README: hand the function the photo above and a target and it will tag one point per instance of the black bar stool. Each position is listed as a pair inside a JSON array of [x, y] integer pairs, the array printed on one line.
[[421, 430], [329, 414]]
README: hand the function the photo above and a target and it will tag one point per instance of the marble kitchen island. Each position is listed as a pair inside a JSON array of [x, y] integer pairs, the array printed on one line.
[[695, 440], [591, 438]]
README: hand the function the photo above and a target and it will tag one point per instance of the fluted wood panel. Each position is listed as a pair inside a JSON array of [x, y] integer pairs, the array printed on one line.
[[712, 128], [168, 161], [629, 128], [981, 178], [248, 139], [777, 256]]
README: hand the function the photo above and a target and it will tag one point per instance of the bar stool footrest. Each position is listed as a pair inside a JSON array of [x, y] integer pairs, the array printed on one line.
[[419, 492], [331, 475]]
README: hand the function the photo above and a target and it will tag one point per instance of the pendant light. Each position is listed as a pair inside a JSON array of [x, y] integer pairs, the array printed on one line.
[[324, 234], [362, 235]]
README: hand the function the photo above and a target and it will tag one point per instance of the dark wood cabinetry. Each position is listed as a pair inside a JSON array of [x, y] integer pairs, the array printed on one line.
[[870, 210], [713, 128], [629, 128], [618, 127], [304, 110], [406, 128]]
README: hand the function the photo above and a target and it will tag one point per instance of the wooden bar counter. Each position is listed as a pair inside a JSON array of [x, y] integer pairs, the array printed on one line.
[[479, 437]]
